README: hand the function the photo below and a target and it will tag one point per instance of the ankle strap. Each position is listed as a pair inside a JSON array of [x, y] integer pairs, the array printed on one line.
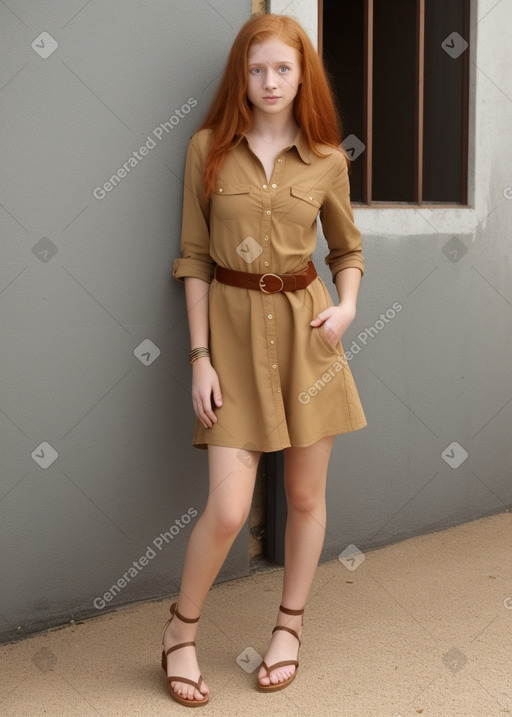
[[174, 611], [287, 611]]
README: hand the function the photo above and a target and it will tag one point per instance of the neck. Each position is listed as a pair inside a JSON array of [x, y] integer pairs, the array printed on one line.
[[273, 127]]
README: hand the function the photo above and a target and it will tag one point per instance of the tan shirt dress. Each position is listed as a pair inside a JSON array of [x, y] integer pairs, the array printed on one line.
[[283, 383]]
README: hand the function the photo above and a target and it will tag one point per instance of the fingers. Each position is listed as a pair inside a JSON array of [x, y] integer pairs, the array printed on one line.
[[332, 336], [323, 323], [204, 411], [216, 392], [320, 318], [334, 320], [205, 401]]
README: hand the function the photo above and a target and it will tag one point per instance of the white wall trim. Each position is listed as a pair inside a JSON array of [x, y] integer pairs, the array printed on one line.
[[304, 11]]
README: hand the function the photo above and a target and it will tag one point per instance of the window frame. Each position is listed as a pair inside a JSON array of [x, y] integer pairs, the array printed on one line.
[[395, 221], [366, 157]]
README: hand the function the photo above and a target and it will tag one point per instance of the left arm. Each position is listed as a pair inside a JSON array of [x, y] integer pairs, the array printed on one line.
[[345, 258]]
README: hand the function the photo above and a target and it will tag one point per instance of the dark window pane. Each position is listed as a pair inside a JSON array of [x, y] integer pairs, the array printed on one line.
[[343, 54], [445, 78], [393, 128], [394, 100]]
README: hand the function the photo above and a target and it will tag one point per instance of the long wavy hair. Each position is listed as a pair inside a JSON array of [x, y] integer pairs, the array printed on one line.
[[230, 114]]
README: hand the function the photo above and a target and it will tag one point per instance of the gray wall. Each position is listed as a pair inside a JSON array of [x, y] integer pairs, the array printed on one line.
[[438, 372], [83, 282]]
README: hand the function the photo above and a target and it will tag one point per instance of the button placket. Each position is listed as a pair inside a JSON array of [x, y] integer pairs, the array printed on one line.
[[267, 195], [268, 300], [266, 205], [271, 341]]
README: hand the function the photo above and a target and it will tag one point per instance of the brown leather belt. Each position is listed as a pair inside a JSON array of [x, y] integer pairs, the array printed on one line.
[[269, 283]]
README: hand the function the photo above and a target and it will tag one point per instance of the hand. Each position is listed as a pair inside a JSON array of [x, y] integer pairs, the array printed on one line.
[[335, 321], [205, 388]]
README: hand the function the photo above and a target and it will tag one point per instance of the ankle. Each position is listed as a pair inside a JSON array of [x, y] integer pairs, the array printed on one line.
[[285, 617], [178, 631], [175, 634]]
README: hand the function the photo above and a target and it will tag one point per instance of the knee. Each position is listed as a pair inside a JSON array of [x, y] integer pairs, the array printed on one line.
[[227, 523], [304, 500]]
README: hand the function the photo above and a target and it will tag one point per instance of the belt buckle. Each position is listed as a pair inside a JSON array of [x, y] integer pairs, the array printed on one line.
[[262, 281]]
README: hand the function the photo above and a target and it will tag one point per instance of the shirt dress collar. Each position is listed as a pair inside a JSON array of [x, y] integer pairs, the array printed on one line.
[[300, 143]]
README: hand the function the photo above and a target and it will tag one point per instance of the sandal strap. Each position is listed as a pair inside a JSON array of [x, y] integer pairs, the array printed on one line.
[[174, 611], [288, 629], [178, 647], [175, 678], [287, 611], [284, 663]]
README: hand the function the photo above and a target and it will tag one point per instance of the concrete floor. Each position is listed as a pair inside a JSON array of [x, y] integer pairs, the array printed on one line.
[[420, 627]]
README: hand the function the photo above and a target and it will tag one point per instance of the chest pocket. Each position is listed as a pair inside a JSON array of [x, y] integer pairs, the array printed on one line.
[[305, 204], [230, 201]]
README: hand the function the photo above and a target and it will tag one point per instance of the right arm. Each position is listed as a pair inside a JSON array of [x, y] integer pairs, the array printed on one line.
[[195, 268], [205, 382]]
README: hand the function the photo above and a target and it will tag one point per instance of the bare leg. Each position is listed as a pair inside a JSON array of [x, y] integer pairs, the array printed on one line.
[[232, 477], [305, 481]]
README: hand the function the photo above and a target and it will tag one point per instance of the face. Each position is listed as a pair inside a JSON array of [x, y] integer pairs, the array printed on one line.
[[274, 76]]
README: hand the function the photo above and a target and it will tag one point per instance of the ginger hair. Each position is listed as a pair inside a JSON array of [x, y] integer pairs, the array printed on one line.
[[230, 115]]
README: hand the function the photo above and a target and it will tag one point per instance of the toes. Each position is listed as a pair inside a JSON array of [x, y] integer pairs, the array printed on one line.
[[187, 692], [183, 690], [263, 677], [178, 688], [281, 676], [274, 678]]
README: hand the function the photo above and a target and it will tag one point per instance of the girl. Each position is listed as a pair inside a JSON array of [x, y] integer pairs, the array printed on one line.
[[268, 370]]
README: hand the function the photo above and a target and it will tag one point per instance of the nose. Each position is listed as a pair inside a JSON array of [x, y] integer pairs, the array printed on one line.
[[270, 81]]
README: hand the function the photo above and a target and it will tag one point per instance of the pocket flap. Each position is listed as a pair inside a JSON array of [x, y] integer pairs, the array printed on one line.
[[310, 196], [230, 188]]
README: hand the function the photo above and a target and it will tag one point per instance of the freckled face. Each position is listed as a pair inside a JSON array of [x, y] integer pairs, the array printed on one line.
[[274, 76]]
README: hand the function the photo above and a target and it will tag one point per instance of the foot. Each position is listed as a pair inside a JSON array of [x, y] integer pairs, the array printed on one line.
[[183, 662], [283, 646]]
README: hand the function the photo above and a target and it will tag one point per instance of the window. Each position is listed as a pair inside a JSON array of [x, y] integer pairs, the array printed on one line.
[[400, 71]]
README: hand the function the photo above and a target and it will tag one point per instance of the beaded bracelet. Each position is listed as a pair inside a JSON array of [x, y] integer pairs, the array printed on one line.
[[198, 353]]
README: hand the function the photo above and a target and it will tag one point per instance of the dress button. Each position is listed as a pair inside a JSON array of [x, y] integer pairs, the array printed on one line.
[[266, 263], [278, 390], [272, 341], [311, 199], [274, 365], [265, 186], [279, 160], [269, 316], [266, 238], [268, 211], [220, 189], [274, 186]]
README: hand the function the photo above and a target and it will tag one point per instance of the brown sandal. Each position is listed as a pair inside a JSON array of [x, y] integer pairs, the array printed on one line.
[[173, 678], [281, 685]]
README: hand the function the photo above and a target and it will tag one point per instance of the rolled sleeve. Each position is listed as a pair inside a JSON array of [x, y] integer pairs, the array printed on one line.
[[195, 257], [342, 236]]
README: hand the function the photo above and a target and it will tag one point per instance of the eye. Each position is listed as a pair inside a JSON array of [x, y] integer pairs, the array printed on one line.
[[255, 71], [284, 69]]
